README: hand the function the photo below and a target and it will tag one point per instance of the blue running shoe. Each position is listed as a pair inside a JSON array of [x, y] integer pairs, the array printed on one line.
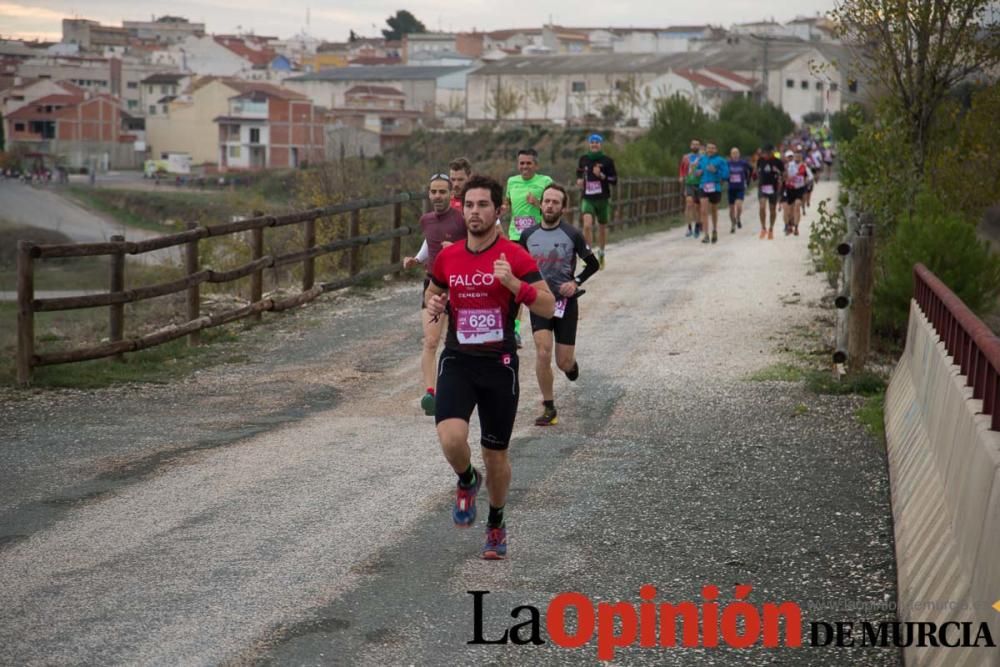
[[496, 543], [464, 512]]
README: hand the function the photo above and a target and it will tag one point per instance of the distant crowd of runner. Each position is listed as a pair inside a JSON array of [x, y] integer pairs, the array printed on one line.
[[784, 173]]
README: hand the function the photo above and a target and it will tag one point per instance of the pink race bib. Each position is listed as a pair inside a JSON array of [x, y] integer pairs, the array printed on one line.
[[736, 178], [475, 326], [522, 223], [767, 189], [560, 307], [708, 188], [592, 187]]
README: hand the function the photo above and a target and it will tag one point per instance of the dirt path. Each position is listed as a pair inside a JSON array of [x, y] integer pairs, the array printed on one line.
[[44, 207], [294, 510]]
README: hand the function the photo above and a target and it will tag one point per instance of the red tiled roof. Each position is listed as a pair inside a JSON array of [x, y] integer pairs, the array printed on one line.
[[375, 90], [71, 88], [259, 57], [243, 87], [732, 76], [30, 109], [700, 79]]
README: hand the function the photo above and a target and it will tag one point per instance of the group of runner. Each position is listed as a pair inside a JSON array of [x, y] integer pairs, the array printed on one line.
[[785, 174], [479, 277]]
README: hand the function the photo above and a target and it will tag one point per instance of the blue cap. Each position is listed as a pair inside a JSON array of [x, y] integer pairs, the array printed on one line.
[[596, 137]]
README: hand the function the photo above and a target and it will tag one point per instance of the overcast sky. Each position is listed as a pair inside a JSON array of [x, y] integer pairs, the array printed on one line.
[[332, 19]]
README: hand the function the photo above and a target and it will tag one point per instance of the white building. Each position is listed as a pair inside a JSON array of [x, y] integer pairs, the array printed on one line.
[[297, 48], [770, 28], [426, 89], [566, 89], [800, 77], [120, 77], [202, 56], [166, 29], [427, 42], [675, 39], [812, 28]]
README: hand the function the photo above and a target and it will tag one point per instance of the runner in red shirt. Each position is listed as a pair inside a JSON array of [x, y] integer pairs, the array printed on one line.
[[482, 281]]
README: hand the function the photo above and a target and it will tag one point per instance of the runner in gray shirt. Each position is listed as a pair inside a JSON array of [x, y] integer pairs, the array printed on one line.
[[555, 245]]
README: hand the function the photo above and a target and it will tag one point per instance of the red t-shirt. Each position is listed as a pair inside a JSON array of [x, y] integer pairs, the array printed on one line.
[[449, 226], [482, 310]]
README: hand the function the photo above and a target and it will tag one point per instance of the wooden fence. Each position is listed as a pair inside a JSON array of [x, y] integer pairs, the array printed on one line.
[[638, 200]]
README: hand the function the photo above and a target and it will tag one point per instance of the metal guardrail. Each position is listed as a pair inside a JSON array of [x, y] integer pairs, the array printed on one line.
[[973, 346]]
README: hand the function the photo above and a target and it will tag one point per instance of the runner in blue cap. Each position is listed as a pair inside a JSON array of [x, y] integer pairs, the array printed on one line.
[[595, 175]]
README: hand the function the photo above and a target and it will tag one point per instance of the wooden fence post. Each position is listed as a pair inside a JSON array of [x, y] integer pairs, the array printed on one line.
[[650, 203], [257, 277], [116, 312], [859, 321], [309, 263], [397, 222], [354, 230], [194, 291], [25, 311]]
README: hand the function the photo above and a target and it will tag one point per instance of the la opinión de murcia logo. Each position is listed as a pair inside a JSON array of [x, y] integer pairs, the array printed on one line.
[[709, 623]]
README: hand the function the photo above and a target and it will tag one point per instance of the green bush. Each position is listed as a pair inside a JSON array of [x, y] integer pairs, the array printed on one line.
[[824, 236], [742, 123], [844, 124], [940, 239]]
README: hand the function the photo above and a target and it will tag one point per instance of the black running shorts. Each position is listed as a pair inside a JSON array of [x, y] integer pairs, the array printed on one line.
[[489, 383], [563, 328], [712, 197], [793, 194], [771, 198]]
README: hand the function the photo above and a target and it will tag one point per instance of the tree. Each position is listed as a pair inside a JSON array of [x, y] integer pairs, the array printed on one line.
[[353, 37], [917, 50], [503, 101], [628, 95], [969, 142], [767, 122], [612, 114], [403, 23], [543, 96]]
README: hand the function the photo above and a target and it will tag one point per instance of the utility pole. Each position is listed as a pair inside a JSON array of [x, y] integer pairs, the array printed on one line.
[[766, 64]]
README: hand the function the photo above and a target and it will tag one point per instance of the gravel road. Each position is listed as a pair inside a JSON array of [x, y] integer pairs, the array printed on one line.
[[294, 510], [44, 207]]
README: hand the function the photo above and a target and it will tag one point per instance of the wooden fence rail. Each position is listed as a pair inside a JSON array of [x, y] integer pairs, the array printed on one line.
[[641, 200]]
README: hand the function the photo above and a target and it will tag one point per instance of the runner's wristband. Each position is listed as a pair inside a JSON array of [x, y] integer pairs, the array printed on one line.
[[527, 294]]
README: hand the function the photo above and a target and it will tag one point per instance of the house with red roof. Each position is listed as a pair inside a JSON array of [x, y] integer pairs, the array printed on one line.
[[267, 127], [379, 109], [213, 116], [72, 125]]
